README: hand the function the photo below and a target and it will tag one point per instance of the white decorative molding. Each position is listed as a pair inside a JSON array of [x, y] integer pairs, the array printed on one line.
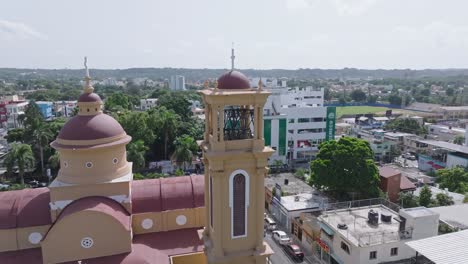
[[231, 200], [34, 238], [87, 242], [181, 220], [147, 223]]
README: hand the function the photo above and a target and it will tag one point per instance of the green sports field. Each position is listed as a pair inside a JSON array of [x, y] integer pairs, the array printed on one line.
[[354, 110]]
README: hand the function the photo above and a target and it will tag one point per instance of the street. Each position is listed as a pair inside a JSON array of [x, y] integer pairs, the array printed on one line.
[[280, 256]]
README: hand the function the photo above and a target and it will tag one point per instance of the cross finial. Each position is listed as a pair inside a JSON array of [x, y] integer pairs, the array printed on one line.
[[232, 56], [87, 87]]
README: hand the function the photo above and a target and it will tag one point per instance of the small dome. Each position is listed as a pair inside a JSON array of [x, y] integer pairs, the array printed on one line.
[[90, 128], [89, 98], [233, 80]]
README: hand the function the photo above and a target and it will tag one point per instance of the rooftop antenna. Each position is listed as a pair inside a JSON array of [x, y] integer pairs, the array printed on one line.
[[232, 57]]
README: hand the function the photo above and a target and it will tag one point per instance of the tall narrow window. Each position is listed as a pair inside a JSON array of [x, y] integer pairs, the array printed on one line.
[[211, 201], [239, 202]]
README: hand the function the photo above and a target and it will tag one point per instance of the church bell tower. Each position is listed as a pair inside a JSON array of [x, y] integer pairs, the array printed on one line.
[[235, 159]]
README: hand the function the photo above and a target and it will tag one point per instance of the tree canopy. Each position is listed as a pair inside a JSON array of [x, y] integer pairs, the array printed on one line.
[[358, 95], [346, 166], [454, 179], [406, 125]]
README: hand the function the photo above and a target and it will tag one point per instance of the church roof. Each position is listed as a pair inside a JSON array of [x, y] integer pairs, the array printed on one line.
[[24, 208], [233, 80], [146, 248], [173, 193]]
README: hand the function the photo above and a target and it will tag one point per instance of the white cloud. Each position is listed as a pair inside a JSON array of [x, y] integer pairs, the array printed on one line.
[[14, 30], [353, 7]]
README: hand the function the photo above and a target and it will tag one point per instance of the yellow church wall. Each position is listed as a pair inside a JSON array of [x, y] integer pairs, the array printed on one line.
[[63, 242], [23, 236], [73, 167], [195, 258], [167, 220], [8, 240]]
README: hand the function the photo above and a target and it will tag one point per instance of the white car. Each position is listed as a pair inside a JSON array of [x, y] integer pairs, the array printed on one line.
[[280, 237]]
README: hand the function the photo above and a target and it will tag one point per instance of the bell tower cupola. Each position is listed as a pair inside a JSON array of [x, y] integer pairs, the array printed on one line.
[[235, 159]]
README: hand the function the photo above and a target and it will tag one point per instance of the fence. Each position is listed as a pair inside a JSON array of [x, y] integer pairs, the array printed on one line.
[[362, 203]]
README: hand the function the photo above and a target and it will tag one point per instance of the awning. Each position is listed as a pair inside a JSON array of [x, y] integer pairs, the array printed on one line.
[[327, 229]]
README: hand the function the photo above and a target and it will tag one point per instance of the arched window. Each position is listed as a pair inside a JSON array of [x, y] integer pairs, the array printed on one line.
[[239, 202]]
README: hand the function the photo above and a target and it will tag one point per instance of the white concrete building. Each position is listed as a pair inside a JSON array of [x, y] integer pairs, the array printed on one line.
[[305, 121], [148, 103], [373, 234], [14, 110], [177, 83], [445, 133]]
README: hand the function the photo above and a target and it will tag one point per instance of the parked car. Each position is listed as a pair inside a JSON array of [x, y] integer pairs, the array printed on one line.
[[294, 251], [270, 223], [280, 237], [4, 186], [37, 184], [409, 156]]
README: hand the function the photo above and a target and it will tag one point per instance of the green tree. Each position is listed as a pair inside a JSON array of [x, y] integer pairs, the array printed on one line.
[[54, 161], [178, 102], [459, 140], [42, 137], [33, 119], [20, 156], [425, 196], [406, 125], [15, 135], [165, 123], [136, 125], [346, 166], [185, 147], [117, 102], [443, 199], [358, 95], [454, 179], [407, 200], [394, 99], [449, 91], [136, 152], [300, 173]]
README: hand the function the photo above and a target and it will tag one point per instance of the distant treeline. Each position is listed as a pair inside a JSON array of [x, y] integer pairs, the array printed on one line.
[[202, 74]]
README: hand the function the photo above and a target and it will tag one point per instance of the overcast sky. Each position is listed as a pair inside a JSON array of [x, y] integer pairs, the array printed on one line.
[[287, 34]]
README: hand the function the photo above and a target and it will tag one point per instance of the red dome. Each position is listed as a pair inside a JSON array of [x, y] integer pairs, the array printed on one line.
[[89, 98], [90, 128], [233, 80]]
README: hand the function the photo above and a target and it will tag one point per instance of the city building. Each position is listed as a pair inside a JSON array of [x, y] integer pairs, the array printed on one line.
[[444, 133], [393, 183], [3, 114], [308, 122], [65, 108], [177, 83], [374, 233], [14, 110], [94, 212], [455, 216], [46, 109], [440, 154], [148, 103]]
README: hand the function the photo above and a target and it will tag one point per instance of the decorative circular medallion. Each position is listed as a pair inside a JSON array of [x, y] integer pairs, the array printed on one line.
[[181, 220], [87, 242], [89, 164], [147, 223], [65, 164], [115, 160], [35, 238]]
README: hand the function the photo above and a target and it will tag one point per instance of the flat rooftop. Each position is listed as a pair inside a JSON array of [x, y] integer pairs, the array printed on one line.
[[293, 187], [303, 201], [359, 231], [446, 145]]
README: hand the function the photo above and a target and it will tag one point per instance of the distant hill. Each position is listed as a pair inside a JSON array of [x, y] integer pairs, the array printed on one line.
[[202, 74]]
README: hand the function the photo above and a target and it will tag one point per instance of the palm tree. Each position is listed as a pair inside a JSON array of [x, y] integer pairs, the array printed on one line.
[[42, 137], [136, 153], [185, 146], [21, 156], [168, 124], [54, 161]]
